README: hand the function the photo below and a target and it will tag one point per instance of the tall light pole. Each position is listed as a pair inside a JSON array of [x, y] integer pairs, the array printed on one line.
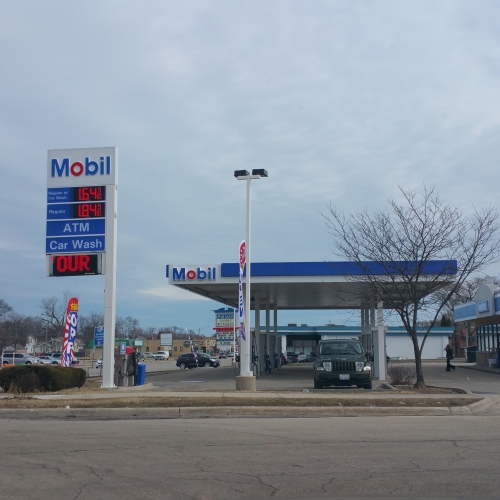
[[246, 379]]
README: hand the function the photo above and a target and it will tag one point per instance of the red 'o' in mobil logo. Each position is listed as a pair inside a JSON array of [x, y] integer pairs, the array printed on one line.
[[196, 274], [77, 168]]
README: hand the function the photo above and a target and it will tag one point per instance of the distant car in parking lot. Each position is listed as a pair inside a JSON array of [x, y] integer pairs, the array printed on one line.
[[48, 360], [188, 360], [223, 355], [304, 358], [292, 357], [148, 355], [10, 358], [161, 355]]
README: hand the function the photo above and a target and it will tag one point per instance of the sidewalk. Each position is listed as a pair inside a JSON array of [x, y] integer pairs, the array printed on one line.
[[485, 369]]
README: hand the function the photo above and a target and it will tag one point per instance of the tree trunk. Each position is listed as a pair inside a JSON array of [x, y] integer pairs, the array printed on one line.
[[418, 364]]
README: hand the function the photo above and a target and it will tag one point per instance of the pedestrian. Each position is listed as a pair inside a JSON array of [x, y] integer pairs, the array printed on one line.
[[449, 357], [276, 361], [268, 364]]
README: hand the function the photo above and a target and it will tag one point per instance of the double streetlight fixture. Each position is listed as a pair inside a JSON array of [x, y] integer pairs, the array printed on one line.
[[245, 350]]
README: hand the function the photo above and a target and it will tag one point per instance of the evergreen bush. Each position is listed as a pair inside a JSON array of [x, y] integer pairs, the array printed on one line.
[[40, 378]]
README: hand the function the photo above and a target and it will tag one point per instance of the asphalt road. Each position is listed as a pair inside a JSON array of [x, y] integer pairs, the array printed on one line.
[[404, 457], [299, 377]]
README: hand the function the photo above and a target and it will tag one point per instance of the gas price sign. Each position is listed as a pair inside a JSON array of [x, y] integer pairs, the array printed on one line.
[[80, 240], [76, 222]]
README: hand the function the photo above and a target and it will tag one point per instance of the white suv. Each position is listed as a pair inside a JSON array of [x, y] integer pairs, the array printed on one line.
[[161, 355]]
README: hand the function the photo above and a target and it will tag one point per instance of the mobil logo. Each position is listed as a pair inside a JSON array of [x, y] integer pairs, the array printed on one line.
[[194, 273], [89, 166]]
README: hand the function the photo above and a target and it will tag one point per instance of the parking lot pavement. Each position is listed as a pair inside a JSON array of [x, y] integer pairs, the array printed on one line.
[[294, 377], [464, 377], [299, 377]]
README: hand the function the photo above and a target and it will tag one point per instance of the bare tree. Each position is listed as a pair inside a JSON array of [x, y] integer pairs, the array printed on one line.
[[16, 328], [4, 308], [127, 327], [403, 240], [466, 292], [87, 324], [54, 315]]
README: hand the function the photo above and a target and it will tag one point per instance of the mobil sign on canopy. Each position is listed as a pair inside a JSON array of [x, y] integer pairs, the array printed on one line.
[[81, 167]]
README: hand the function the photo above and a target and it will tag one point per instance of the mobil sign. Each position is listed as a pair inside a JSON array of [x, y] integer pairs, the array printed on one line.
[[81, 167], [191, 273]]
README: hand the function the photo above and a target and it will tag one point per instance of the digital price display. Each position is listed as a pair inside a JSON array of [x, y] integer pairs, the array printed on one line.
[[75, 265], [87, 210], [68, 195], [91, 193]]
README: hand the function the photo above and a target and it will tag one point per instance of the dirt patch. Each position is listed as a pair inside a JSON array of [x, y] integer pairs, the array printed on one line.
[[173, 402], [405, 389]]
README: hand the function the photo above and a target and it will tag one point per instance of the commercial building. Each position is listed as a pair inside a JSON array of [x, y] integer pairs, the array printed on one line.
[[482, 314]]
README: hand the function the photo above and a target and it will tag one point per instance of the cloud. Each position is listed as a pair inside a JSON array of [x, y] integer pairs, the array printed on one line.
[[172, 293]]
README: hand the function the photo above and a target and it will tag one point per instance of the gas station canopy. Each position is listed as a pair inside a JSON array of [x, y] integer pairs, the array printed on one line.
[[307, 285]]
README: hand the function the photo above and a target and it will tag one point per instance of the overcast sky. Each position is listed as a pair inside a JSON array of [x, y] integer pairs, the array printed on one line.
[[340, 101]]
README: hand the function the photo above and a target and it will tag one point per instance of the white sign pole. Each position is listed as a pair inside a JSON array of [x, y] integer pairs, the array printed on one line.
[[108, 350]]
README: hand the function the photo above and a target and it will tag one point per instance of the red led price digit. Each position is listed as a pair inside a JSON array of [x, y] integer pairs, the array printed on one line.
[[96, 209], [83, 194], [83, 210], [96, 193]]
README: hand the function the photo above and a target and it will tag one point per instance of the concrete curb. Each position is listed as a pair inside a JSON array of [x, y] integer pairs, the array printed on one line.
[[231, 412], [484, 404]]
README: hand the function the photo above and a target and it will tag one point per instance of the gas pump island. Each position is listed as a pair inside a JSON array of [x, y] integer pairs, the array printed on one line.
[[81, 227]]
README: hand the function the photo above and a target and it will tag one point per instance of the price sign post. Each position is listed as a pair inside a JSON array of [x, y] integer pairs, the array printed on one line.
[[81, 227]]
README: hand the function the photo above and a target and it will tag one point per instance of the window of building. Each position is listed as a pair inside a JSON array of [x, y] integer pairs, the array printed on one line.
[[175, 349]]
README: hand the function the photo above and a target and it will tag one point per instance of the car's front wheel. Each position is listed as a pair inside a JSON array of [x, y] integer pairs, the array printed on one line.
[[318, 384], [28, 362], [182, 366]]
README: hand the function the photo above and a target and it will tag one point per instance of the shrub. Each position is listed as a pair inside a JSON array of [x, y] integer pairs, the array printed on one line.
[[40, 378], [400, 375]]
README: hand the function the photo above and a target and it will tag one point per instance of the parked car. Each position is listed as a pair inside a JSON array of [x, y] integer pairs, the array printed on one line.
[[148, 355], [284, 359], [292, 357], [304, 358], [49, 360], [341, 363], [223, 355], [188, 360], [10, 358], [161, 355], [99, 363]]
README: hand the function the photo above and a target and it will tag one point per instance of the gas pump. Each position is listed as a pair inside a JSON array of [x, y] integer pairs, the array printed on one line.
[[126, 366]]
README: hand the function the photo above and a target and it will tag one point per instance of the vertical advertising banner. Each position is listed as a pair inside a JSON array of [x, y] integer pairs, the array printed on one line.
[[241, 306], [68, 352]]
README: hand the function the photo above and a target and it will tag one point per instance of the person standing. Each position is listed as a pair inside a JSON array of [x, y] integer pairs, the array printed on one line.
[[449, 357]]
